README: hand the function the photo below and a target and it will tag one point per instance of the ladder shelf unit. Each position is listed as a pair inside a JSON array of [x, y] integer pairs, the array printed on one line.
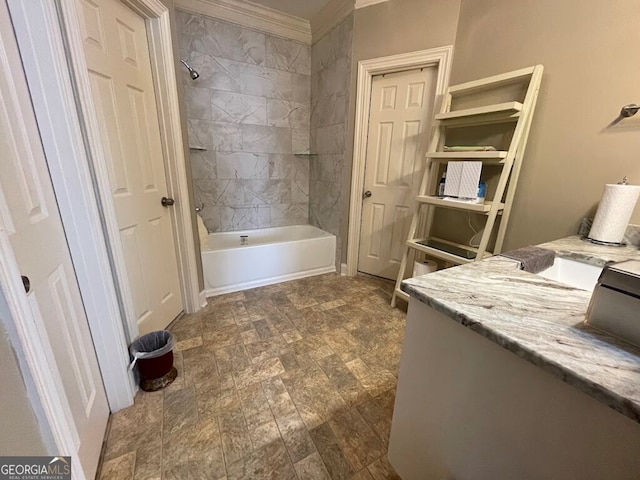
[[519, 114]]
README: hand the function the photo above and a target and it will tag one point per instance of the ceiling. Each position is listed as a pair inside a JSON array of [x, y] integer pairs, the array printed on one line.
[[300, 8]]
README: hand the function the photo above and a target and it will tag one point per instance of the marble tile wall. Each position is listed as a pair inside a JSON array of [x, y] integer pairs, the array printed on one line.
[[250, 110], [330, 83]]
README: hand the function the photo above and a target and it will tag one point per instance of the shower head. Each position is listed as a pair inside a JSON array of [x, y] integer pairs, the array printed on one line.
[[192, 73]]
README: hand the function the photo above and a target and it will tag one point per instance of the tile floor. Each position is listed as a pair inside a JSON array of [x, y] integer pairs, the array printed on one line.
[[289, 381]]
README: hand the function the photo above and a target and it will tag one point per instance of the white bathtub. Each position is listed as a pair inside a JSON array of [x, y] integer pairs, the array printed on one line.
[[272, 255]]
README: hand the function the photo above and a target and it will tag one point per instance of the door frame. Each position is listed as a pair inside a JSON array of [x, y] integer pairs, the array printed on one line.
[[439, 58], [157, 21]]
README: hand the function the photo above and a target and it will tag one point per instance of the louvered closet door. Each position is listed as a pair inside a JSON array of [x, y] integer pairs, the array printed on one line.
[[117, 54], [29, 218], [399, 129]]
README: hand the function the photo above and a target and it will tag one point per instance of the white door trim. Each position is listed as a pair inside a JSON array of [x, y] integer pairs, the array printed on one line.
[[439, 58], [163, 67], [45, 64]]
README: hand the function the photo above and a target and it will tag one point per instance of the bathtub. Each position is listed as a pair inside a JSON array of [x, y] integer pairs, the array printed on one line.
[[271, 255]]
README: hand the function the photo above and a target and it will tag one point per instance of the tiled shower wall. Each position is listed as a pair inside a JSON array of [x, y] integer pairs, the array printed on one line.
[[330, 79], [250, 110]]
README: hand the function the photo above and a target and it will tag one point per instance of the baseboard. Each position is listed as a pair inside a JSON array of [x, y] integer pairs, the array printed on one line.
[[343, 269]]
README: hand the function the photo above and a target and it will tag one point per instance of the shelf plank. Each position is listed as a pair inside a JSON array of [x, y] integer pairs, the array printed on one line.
[[437, 253], [511, 109], [403, 295], [491, 82], [495, 156], [470, 207], [460, 245]]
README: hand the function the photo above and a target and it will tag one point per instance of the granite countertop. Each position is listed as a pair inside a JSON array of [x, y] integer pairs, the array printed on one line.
[[540, 320]]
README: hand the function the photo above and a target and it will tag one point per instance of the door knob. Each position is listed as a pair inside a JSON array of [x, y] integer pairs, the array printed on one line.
[[27, 283], [366, 194], [167, 202]]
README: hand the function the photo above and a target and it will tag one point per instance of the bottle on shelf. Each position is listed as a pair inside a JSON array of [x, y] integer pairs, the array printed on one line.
[[441, 184]]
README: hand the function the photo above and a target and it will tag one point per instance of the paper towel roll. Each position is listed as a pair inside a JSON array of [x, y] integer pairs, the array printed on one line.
[[422, 268], [614, 211]]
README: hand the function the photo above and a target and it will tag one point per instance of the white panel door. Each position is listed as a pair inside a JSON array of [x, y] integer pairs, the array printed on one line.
[[399, 123], [117, 54], [29, 217]]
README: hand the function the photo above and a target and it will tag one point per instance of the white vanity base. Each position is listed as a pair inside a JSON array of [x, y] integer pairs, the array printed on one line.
[[467, 409]]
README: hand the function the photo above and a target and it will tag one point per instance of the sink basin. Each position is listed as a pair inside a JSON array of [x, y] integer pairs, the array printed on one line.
[[616, 301], [575, 274]]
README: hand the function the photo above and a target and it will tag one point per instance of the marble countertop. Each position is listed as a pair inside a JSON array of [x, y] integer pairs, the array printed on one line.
[[540, 320]]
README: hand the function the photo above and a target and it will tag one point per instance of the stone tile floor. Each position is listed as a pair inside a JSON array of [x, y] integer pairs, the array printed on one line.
[[290, 381]]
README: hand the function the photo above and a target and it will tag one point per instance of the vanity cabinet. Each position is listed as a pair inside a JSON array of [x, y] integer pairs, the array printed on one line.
[[469, 409]]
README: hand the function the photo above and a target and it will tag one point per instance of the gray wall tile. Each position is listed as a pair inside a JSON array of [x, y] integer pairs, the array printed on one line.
[[300, 192], [227, 192], [260, 139], [266, 82], [220, 39], [267, 192], [301, 87], [214, 135], [198, 102], [330, 84], [287, 113], [203, 164], [238, 108], [244, 218], [218, 73], [331, 139], [300, 141], [286, 55], [251, 109], [242, 165], [290, 214], [287, 167]]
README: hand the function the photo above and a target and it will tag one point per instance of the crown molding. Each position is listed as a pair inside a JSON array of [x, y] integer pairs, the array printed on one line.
[[329, 16], [251, 15], [367, 3]]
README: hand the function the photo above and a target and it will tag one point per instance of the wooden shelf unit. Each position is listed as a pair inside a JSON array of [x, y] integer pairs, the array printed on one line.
[[510, 161]]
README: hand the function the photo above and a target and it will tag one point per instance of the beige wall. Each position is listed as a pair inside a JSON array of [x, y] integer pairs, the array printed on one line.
[[20, 431], [588, 50], [390, 28]]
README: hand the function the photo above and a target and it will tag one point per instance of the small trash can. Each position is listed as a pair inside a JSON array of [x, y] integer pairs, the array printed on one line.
[[153, 354]]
